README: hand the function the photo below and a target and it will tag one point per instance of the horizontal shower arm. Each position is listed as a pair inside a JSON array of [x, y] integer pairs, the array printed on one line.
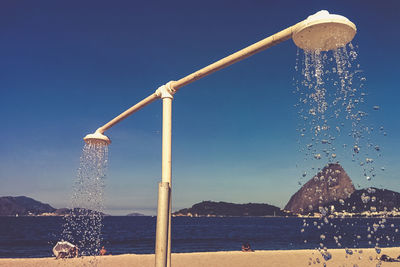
[[235, 57], [151, 98], [173, 86]]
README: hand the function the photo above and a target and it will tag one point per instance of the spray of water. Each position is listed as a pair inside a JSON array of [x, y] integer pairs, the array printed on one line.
[[334, 128], [83, 225], [333, 110]]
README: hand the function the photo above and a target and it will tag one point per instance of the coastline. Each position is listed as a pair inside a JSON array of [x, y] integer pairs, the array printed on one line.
[[318, 216], [270, 258]]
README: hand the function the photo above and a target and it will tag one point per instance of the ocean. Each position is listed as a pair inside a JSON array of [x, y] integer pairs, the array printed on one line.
[[22, 237]]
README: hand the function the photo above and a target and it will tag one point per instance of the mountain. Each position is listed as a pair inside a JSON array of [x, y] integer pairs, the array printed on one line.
[[11, 206], [370, 199], [25, 206], [210, 208], [330, 184], [135, 214]]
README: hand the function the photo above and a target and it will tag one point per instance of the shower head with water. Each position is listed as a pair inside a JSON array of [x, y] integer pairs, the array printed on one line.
[[97, 138], [323, 31]]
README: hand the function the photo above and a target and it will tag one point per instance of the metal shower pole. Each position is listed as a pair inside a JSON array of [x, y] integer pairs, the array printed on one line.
[[321, 31], [166, 92]]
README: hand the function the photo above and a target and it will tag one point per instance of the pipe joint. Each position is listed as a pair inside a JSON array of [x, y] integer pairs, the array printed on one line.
[[166, 91], [100, 130], [171, 88]]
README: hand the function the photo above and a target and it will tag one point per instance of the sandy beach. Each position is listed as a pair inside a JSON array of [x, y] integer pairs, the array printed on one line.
[[284, 258]]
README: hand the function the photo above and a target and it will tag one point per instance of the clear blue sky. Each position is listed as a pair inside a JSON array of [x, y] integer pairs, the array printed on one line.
[[67, 67]]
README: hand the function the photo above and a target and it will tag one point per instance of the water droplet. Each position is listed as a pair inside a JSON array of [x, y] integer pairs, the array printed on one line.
[[365, 198]]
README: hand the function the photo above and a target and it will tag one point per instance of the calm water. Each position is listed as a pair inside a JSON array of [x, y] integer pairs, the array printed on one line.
[[35, 236]]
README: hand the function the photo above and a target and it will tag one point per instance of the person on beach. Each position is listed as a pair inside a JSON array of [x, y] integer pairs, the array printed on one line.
[[387, 258], [103, 251], [246, 247], [71, 253], [64, 249]]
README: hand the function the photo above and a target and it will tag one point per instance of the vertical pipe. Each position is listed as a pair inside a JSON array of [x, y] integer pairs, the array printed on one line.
[[163, 251], [162, 225], [166, 140], [169, 229], [166, 162]]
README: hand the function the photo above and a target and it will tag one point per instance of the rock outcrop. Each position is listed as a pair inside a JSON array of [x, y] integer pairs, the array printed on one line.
[[331, 184]]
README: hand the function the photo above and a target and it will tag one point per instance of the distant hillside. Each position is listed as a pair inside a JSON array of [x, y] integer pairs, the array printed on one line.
[[11, 206], [78, 212], [135, 214], [371, 199], [330, 184], [25, 206], [210, 208]]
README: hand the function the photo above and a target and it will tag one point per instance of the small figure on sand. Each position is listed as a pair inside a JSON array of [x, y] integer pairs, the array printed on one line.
[[387, 258], [103, 251], [64, 249], [246, 247]]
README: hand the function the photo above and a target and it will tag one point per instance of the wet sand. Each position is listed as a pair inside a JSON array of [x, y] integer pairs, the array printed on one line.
[[284, 258]]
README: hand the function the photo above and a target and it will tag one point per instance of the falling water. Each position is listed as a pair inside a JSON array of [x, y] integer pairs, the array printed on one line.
[[333, 111], [83, 225], [334, 128]]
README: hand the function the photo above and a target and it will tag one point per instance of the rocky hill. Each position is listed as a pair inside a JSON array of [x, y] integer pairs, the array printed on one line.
[[330, 184], [210, 208], [368, 200], [11, 206]]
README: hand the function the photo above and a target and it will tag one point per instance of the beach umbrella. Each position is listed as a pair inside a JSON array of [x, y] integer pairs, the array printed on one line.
[[62, 247]]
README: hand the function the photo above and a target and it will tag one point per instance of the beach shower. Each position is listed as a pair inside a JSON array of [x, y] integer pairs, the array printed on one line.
[[319, 32]]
